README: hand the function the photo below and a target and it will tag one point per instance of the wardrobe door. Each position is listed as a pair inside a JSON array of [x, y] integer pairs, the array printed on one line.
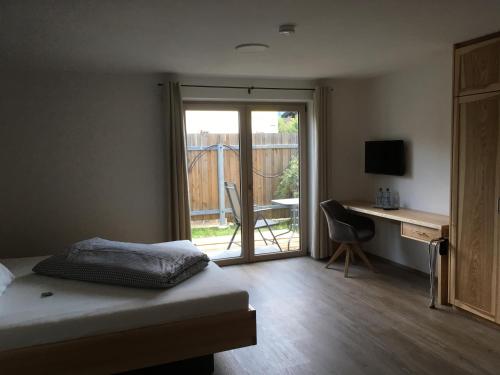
[[476, 247], [477, 68]]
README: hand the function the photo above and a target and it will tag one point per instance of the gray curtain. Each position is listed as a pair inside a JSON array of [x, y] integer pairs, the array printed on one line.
[[319, 244], [177, 189]]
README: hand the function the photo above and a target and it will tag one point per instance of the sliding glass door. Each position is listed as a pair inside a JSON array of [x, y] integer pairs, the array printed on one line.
[[213, 158], [276, 179], [246, 173]]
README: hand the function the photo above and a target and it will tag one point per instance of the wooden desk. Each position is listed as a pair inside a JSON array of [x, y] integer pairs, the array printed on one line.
[[416, 225]]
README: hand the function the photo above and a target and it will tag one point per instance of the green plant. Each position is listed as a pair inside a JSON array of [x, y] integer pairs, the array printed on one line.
[[213, 231], [288, 186], [288, 124]]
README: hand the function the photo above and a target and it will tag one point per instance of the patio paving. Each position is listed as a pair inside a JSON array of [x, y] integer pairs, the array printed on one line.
[[216, 246]]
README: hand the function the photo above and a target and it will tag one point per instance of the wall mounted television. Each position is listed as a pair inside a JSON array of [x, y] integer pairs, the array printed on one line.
[[385, 157]]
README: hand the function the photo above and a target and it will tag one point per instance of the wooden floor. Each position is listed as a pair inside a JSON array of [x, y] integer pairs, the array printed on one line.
[[313, 321]]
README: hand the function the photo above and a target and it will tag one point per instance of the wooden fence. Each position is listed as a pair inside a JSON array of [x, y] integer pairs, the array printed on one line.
[[214, 158]]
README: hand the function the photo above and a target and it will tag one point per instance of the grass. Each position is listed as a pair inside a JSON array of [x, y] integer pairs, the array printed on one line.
[[228, 231]]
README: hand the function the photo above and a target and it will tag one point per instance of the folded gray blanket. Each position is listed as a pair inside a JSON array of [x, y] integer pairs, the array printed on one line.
[[124, 263]]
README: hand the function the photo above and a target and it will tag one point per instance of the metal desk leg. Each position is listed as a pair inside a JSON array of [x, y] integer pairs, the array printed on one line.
[[294, 225], [432, 270]]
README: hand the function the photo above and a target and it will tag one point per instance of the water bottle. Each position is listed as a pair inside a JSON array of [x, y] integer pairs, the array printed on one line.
[[387, 200], [379, 198]]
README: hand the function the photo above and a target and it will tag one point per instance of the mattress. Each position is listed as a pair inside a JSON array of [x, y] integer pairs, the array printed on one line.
[[79, 309]]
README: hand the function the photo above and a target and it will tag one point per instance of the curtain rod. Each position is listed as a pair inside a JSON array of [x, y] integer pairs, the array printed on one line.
[[248, 88]]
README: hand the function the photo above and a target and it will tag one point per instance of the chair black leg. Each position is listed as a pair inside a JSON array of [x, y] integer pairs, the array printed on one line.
[[234, 235]]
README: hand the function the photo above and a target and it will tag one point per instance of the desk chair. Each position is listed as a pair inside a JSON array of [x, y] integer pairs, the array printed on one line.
[[349, 230], [260, 220]]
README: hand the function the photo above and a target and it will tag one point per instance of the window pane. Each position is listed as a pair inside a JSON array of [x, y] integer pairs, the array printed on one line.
[[275, 155], [214, 181]]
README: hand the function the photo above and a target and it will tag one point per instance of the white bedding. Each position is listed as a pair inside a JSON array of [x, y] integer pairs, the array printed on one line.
[[6, 278], [78, 309]]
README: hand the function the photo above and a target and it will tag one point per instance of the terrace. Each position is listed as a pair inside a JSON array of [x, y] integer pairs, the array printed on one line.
[[214, 240]]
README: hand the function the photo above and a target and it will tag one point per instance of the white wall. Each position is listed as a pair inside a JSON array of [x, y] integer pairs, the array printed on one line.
[[81, 155], [349, 103], [413, 104]]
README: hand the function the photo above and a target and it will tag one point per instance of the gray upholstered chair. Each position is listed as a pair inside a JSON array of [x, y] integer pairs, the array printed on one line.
[[349, 230], [260, 221]]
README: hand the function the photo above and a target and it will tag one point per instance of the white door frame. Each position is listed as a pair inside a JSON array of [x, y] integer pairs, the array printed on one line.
[[246, 177]]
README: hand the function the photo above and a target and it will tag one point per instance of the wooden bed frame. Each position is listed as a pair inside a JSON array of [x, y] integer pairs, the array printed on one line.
[[135, 348]]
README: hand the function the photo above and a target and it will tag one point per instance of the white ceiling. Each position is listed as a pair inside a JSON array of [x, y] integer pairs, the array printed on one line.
[[334, 38]]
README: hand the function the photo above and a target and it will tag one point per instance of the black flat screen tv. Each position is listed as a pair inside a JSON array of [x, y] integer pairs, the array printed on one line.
[[385, 157]]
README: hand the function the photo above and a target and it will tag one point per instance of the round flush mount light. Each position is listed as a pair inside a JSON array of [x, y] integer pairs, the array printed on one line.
[[287, 29], [251, 47]]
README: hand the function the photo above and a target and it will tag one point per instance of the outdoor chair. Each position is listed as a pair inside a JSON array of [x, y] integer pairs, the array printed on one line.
[[260, 220]]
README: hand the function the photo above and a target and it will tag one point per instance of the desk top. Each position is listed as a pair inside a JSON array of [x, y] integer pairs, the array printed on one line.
[[404, 215]]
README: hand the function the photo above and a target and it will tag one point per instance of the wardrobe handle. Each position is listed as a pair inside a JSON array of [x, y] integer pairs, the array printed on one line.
[[498, 205]]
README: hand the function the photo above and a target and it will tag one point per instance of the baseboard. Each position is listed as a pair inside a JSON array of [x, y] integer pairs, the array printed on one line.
[[378, 258]]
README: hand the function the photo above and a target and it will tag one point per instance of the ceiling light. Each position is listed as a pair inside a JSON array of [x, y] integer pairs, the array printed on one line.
[[251, 47], [287, 29]]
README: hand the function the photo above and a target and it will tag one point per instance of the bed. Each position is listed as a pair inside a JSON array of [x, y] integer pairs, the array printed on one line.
[[95, 328]]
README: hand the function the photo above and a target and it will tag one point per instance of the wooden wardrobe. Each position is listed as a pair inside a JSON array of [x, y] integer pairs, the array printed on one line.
[[475, 198]]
